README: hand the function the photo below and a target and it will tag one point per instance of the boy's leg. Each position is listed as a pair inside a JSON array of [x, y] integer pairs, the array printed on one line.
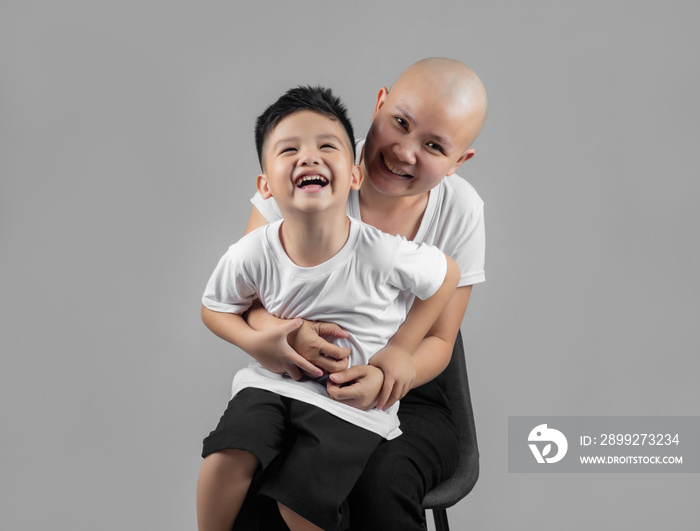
[[294, 521], [223, 483], [250, 434]]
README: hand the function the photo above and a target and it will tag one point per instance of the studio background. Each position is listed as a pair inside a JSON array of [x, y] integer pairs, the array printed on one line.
[[126, 165]]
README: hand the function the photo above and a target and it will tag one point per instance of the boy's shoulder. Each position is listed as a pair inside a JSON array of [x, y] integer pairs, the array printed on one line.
[[380, 250], [371, 235]]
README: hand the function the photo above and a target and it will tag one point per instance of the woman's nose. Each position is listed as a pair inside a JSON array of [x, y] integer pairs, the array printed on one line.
[[405, 151]]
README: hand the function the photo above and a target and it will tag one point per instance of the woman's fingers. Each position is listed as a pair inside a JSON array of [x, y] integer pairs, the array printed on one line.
[[294, 361], [329, 329], [329, 350]]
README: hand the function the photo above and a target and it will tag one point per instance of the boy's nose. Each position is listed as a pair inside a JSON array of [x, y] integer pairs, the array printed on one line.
[[308, 158]]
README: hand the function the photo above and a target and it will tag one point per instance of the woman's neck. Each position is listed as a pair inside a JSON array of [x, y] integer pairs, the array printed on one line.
[[394, 215]]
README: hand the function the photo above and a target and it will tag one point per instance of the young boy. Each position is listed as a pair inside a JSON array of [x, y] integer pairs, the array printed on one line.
[[316, 263]]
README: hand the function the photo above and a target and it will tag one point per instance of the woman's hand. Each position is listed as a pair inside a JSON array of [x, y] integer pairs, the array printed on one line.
[[358, 386], [311, 342], [273, 352]]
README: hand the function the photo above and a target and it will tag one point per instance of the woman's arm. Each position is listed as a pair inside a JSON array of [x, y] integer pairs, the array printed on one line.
[[433, 354], [255, 220], [430, 358], [397, 359], [308, 340], [269, 347]]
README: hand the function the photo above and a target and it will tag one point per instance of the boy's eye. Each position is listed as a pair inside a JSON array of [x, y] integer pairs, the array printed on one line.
[[331, 146], [436, 147], [402, 122], [288, 150]]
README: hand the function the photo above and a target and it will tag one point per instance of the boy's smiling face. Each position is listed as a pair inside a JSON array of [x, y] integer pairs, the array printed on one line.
[[308, 164]]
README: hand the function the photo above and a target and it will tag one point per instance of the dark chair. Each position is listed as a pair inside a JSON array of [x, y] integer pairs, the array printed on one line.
[[462, 481]]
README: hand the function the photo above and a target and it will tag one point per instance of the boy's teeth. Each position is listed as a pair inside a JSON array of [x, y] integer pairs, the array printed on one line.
[[311, 178]]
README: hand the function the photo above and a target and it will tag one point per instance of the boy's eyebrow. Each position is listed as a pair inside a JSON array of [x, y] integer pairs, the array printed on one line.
[[323, 136], [439, 138]]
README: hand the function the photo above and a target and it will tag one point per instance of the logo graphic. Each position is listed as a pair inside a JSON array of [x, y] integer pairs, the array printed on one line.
[[543, 434]]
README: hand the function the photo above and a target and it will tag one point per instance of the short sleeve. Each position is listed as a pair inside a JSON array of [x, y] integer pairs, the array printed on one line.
[[418, 268], [230, 288], [461, 232], [267, 207], [470, 254]]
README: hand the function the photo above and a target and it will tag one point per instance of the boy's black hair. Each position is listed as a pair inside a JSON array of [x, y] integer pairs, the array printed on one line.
[[308, 98]]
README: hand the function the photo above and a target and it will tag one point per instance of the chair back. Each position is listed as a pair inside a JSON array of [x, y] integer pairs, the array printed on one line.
[[464, 477]]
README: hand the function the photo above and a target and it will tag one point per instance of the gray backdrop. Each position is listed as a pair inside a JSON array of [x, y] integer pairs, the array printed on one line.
[[127, 161]]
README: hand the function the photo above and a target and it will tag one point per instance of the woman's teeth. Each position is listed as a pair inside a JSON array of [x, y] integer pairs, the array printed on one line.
[[394, 170]]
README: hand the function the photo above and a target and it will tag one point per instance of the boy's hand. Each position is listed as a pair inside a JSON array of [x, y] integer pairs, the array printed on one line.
[[274, 353], [310, 342], [399, 374], [358, 386]]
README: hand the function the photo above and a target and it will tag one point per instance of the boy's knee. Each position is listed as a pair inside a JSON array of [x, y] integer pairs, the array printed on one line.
[[238, 464]]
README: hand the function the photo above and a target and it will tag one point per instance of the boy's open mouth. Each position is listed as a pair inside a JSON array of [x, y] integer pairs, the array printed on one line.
[[393, 169], [318, 181]]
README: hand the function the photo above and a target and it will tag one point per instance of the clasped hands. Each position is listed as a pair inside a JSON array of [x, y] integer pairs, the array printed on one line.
[[388, 377]]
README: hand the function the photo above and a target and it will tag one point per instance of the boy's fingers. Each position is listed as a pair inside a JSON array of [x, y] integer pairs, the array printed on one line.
[[341, 394], [394, 397], [347, 375], [385, 394]]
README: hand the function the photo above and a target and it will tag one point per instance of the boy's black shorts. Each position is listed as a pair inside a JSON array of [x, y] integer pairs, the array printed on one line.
[[310, 459]]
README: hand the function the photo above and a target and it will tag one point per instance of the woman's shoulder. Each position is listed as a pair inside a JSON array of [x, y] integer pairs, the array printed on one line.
[[459, 193]]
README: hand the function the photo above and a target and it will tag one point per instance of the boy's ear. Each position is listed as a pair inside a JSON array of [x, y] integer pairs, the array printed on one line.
[[356, 177], [464, 158], [381, 98], [263, 186]]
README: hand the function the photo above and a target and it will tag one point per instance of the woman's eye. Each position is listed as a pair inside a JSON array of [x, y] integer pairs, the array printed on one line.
[[402, 122], [436, 147]]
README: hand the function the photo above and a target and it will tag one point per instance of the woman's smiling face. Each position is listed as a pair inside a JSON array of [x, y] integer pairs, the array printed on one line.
[[415, 140]]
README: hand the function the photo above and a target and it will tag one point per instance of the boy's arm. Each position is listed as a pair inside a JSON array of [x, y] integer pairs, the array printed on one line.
[[397, 359], [269, 347]]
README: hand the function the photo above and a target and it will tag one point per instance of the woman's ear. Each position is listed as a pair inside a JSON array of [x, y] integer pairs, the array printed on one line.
[[464, 158], [356, 177], [381, 98], [263, 186]]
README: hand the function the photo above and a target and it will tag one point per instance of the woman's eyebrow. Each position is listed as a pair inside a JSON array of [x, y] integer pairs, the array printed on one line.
[[438, 138]]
